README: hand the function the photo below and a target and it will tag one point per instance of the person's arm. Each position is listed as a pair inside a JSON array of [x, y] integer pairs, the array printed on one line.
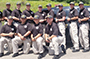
[[31, 18], [22, 37], [7, 34], [84, 19], [4, 34], [51, 37], [37, 36], [46, 36], [15, 18], [13, 14], [62, 19], [27, 33], [4, 15], [86, 16], [5, 18], [32, 37], [75, 16]]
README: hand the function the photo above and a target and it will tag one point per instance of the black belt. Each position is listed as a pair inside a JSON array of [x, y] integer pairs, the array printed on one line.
[[60, 21], [9, 37], [83, 22]]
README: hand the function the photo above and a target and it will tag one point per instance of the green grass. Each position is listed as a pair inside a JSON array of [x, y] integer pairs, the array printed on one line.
[[34, 4]]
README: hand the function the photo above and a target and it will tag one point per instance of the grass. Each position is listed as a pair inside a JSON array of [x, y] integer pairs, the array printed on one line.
[[34, 4]]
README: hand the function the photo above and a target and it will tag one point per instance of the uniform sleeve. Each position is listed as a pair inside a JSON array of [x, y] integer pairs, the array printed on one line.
[[52, 13], [13, 13], [23, 13], [36, 13], [64, 14], [41, 29], [86, 13], [30, 27], [2, 30], [4, 13], [76, 13], [55, 28]]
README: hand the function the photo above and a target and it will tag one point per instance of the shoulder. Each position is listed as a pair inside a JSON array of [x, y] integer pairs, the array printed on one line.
[[75, 9], [85, 9], [24, 10], [4, 26], [32, 12], [54, 24], [28, 23], [37, 12], [52, 10]]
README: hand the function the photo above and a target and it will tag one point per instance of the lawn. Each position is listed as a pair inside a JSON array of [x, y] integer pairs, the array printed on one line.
[[34, 4]]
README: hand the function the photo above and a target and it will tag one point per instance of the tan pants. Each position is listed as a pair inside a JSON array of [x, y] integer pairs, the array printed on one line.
[[54, 47], [83, 35], [61, 26], [74, 34], [17, 41], [4, 40], [38, 45]]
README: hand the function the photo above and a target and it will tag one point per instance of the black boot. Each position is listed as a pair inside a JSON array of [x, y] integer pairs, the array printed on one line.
[[85, 50], [63, 49], [75, 50], [15, 54], [1, 54], [56, 57], [40, 56]]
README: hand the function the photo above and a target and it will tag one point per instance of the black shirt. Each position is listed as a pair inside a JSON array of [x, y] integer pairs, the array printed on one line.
[[28, 14], [16, 13], [52, 30], [37, 29], [60, 14], [7, 13], [24, 28], [41, 14], [83, 13], [73, 13], [50, 12], [7, 29]]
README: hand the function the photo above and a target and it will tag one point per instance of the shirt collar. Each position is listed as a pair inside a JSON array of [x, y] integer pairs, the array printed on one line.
[[72, 9]]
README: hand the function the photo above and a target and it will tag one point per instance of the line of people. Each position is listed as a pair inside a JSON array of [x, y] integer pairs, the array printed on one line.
[[39, 31]]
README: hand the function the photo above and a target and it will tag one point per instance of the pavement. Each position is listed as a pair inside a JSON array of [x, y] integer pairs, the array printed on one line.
[[68, 55]]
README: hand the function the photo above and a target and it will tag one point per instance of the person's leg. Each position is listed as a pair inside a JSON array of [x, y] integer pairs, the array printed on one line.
[[41, 50], [61, 26], [2, 42], [55, 42], [35, 47], [26, 47], [10, 48], [56, 45], [74, 34], [15, 42], [40, 44], [80, 36], [16, 24], [85, 28]]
